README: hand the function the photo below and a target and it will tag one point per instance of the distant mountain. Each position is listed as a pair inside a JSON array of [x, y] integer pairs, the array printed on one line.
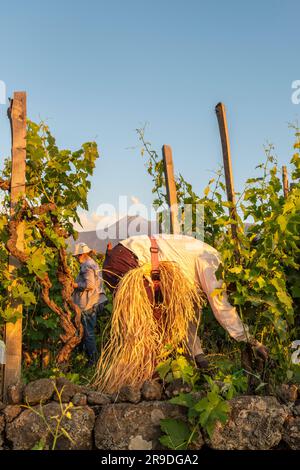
[[120, 230]]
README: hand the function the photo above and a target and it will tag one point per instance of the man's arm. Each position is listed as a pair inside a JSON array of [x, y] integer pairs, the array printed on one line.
[[224, 312], [87, 279]]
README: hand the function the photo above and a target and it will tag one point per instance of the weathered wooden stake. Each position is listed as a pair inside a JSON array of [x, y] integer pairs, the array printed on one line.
[[171, 188], [13, 331], [285, 181], [221, 115]]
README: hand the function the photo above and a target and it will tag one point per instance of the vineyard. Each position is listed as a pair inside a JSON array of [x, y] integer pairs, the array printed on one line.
[[260, 266], [256, 231]]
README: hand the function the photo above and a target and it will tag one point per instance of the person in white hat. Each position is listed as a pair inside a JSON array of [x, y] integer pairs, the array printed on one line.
[[90, 296]]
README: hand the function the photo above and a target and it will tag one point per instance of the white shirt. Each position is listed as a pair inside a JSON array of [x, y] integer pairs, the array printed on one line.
[[198, 262]]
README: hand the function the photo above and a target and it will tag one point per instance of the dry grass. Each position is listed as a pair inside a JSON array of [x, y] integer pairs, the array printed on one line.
[[137, 340]]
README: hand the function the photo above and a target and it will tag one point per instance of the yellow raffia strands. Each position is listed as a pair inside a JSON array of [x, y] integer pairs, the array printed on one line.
[[137, 340]]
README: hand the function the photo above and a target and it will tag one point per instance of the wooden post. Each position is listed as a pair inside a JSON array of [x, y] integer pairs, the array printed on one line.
[[171, 188], [285, 182], [13, 331], [221, 115]]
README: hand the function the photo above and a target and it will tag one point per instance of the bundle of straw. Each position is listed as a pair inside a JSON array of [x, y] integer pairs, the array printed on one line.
[[138, 340]]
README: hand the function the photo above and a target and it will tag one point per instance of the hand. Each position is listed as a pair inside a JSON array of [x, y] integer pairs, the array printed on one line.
[[75, 285], [262, 351]]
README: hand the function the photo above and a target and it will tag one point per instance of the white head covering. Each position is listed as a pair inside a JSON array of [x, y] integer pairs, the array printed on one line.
[[81, 248]]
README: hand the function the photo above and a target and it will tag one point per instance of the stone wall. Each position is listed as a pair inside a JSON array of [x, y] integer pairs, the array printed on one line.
[[131, 419]]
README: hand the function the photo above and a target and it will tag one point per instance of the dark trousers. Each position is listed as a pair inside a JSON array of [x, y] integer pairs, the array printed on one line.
[[89, 320], [117, 263]]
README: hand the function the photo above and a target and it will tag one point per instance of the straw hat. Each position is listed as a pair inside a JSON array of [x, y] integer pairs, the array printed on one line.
[[81, 248]]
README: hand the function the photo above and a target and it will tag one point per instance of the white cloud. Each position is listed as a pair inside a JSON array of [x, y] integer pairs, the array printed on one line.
[[107, 214], [89, 221], [135, 200]]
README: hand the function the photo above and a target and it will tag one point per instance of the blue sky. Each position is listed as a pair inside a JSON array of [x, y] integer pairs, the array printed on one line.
[[100, 69]]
